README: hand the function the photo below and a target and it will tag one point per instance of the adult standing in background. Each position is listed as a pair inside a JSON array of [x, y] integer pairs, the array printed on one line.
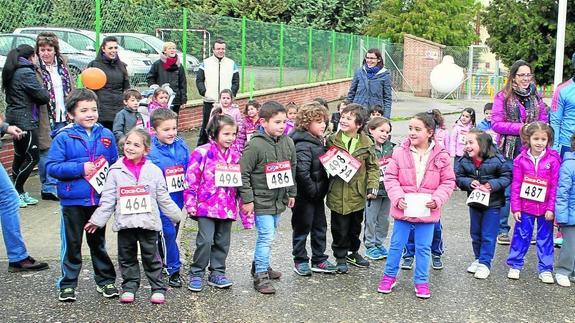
[[110, 97], [371, 84], [562, 114], [169, 69], [55, 77], [216, 73]]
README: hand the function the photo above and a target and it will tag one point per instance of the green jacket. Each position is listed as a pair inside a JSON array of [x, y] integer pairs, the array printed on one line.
[[386, 151], [345, 198], [260, 150]]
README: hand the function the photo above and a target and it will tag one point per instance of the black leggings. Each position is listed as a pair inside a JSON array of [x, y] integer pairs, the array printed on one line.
[[26, 156]]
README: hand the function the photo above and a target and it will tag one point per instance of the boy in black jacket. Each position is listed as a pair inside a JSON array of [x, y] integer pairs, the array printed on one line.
[[311, 178]]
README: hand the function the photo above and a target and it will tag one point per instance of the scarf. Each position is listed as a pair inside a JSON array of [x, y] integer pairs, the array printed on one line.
[[47, 80], [510, 145], [168, 63], [371, 71]]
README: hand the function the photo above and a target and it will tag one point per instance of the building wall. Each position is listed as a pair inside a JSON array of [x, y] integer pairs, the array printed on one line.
[[420, 56]]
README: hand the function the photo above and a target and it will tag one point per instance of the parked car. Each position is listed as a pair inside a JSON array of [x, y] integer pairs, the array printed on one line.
[[151, 47], [138, 65]]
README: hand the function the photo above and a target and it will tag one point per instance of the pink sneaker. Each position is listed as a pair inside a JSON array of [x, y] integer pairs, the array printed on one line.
[[158, 298], [386, 284], [422, 290], [127, 297]]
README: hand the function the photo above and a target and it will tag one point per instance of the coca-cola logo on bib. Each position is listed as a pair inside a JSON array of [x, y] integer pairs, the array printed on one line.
[[134, 190]]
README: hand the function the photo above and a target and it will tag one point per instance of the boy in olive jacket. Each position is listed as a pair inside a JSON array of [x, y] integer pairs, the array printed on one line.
[[346, 200], [268, 166]]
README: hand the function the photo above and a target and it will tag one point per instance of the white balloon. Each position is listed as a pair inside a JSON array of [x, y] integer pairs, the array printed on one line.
[[446, 76]]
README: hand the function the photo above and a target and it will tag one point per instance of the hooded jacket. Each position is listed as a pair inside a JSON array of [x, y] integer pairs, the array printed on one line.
[[457, 138], [110, 97], [311, 177], [565, 203], [371, 92], [175, 75], [562, 114]]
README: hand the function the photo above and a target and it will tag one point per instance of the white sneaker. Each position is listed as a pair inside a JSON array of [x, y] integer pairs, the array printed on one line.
[[473, 267], [513, 273], [546, 277], [482, 272], [562, 280]]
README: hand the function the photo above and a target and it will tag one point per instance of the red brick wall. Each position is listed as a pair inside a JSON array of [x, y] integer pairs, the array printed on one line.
[[419, 57]]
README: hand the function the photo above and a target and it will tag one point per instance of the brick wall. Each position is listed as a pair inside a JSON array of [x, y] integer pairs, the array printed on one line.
[[419, 57], [191, 116]]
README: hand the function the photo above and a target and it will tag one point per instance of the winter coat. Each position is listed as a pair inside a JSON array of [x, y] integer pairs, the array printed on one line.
[[202, 197], [261, 150], [126, 120], [383, 153], [345, 198], [547, 169], [175, 75], [400, 179], [215, 75], [565, 203], [562, 114], [335, 121], [151, 177], [368, 93], [441, 137], [458, 138], [24, 94], [111, 96], [289, 127], [246, 128], [484, 125], [311, 177], [493, 170], [71, 148]]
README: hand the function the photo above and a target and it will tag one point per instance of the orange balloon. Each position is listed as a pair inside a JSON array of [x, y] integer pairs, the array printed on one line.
[[93, 78]]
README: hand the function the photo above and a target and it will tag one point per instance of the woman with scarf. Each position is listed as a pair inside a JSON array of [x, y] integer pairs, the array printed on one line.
[[516, 105], [169, 69], [24, 94], [371, 84], [55, 77], [110, 97]]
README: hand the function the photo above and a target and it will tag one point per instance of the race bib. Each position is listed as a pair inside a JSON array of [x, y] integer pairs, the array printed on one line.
[[533, 188], [228, 175], [249, 135], [478, 196], [278, 175], [135, 199], [463, 139], [175, 179], [98, 177], [382, 167], [340, 163]]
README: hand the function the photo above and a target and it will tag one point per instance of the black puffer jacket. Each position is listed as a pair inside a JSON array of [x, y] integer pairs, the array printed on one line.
[[110, 97], [311, 177], [175, 75], [23, 94]]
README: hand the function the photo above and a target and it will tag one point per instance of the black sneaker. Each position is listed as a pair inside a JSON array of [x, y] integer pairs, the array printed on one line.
[[108, 290], [175, 280], [407, 263], [67, 295], [503, 239], [28, 264], [436, 262], [357, 260], [341, 268]]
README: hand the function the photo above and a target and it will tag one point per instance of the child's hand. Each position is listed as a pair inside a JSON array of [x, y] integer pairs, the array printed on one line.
[[90, 227], [401, 204], [291, 202], [249, 208], [371, 196], [487, 187], [89, 168], [549, 215], [517, 216], [431, 205], [475, 184]]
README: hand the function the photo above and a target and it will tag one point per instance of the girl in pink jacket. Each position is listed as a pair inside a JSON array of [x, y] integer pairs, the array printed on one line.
[[441, 134], [419, 180], [533, 190], [211, 198], [249, 125], [458, 137]]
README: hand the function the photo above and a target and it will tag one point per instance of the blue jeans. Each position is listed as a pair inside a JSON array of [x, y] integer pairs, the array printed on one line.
[[521, 240], [504, 226], [10, 219], [423, 234], [48, 182], [436, 243], [266, 225], [483, 231]]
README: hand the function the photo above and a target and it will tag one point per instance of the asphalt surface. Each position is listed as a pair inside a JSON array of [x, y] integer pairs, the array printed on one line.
[[456, 295]]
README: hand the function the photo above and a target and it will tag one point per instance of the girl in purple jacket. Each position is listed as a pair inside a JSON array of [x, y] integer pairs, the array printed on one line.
[[533, 190], [250, 123]]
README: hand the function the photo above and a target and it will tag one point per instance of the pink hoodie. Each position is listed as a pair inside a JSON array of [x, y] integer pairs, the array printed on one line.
[[457, 138], [442, 137]]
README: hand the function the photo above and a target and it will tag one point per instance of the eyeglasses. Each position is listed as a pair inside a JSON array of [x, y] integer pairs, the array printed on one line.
[[524, 75], [112, 47], [367, 57]]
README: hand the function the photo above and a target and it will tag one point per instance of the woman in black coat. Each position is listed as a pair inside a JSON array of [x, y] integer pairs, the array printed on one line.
[[169, 69], [24, 94]]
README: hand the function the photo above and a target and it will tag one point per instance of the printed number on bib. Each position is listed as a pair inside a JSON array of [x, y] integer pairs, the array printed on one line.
[[533, 188], [228, 175], [463, 139], [175, 179], [340, 163], [135, 199], [478, 196], [98, 177], [382, 167], [278, 175], [249, 135]]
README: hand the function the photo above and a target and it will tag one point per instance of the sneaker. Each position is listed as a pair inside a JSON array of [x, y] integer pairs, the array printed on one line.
[[513, 273], [357, 260], [21, 202], [383, 251], [386, 284], [436, 262], [219, 281], [67, 295], [324, 267], [158, 298], [562, 280], [533, 241], [482, 272], [108, 290], [263, 284], [473, 267], [28, 264], [503, 239], [127, 297], [195, 284], [341, 268], [422, 290], [407, 263], [273, 274], [29, 200], [546, 277], [49, 196], [175, 280], [374, 253], [302, 269]]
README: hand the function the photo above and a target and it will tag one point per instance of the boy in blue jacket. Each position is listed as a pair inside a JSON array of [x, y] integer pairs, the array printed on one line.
[[170, 153], [79, 158]]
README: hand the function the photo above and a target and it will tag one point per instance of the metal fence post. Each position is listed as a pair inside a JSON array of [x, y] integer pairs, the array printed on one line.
[[469, 72], [282, 30], [309, 54], [244, 25], [184, 37], [350, 56], [332, 54], [98, 24]]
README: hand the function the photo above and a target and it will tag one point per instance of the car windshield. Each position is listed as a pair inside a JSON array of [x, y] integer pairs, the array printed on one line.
[[66, 48], [154, 42]]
